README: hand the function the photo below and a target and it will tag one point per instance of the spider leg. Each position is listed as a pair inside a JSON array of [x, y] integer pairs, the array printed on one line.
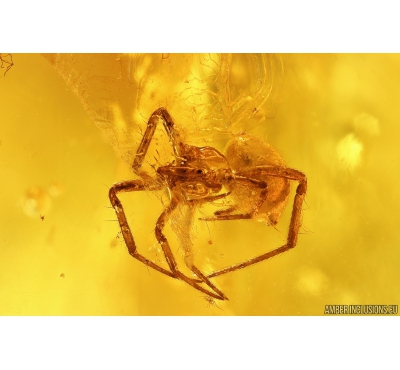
[[223, 216], [295, 220], [128, 186], [160, 113], [225, 211], [211, 198], [171, 259], [227, 215], [221, 295]]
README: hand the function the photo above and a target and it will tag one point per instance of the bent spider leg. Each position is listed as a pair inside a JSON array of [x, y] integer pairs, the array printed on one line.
[[171, 259], [148, 135], [295, 220], [162, 240], [128, 186], [226, 213]]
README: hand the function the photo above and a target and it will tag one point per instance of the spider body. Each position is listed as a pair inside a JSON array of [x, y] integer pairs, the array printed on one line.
[[201, 173], [251, 174]]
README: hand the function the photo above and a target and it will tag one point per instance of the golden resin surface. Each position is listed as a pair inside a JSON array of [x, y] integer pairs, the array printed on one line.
[[71, 125]]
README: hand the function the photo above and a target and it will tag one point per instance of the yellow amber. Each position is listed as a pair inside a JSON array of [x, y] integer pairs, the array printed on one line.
[[333, 117]]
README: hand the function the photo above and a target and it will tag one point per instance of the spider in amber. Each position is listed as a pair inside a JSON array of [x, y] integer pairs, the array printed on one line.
[[250, 170]]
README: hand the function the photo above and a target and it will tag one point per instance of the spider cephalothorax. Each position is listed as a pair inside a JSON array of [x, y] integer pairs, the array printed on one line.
[[251, 173]]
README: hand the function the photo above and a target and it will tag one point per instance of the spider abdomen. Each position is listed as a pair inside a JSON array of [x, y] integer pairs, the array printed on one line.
[[246, 152]]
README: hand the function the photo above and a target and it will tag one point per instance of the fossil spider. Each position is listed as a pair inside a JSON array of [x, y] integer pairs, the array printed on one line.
[[250, 169]]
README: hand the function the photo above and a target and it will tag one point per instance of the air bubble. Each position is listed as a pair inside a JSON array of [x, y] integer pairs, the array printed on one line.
[[349, 151], [36, 202]]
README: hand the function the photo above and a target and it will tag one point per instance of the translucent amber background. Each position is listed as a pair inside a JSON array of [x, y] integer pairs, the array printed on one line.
[[68, 133]]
